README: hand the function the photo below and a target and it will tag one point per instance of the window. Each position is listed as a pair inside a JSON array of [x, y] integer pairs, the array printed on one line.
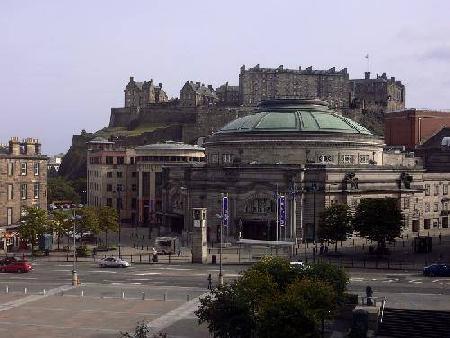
[[227, 158], [436, 207], [9, 216], [445, 189], [133, 203], [109, 202], [348, 159], [426, 223], [325, 158], [36, 169], [119, 187], [427, 207], [445, 206], [406, 203], [133, 174], [10, 168], [109, 174], [109, 160], [23, 191], [435, 222], [133, 187], [131, 160], [214, 158], [436, 189], [427, 190], [23, 169], [109, 187], [36, 190], [10, 192], [364, 159], [119, 174], [120, 160]]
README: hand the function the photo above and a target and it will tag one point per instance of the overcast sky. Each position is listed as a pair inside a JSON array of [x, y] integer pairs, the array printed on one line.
[[64, 64]]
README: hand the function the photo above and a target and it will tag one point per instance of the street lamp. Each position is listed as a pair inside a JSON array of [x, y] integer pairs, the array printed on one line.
[[74, 264], [119, 206]]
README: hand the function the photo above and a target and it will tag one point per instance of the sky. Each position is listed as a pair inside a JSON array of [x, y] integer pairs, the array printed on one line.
[[64, 64]]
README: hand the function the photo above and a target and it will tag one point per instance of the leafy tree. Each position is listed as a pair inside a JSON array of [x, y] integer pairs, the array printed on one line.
[[87, 220], [272, 299], [108, 220], [61, 224], [33, 224], [378, 219], [59, 189], [335, 224]]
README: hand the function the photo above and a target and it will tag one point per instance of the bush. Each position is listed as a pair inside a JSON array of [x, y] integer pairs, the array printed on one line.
[[350, 298], [83, 251]]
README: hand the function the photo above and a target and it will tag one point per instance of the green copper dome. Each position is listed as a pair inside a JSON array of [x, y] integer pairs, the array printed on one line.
[[294, 116]]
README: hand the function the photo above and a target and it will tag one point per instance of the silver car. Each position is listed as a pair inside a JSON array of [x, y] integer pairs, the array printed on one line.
[[113, 262]]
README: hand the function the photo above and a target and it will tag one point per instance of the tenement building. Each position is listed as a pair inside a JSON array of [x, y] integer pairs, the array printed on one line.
[[23, 183], [314, 157], [130, 179]]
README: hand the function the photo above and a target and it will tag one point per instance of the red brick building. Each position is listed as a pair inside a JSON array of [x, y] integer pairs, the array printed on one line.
[[412, 127]]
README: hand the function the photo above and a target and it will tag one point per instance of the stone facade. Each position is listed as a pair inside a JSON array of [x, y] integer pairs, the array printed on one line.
[[257, 84], [23, 179], [380, 95], [141, 94], [228, 95], [130, 179], [194, 94]]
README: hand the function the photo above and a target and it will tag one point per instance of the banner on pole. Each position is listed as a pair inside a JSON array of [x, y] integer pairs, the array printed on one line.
[[225, 211], [282, 210]]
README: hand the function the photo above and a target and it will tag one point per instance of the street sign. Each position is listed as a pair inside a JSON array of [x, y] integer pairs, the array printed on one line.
[[282, 210], [225, 211]]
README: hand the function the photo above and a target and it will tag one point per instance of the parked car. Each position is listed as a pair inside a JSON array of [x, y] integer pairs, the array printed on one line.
[[437, 270], [14, 265], [113, 262]]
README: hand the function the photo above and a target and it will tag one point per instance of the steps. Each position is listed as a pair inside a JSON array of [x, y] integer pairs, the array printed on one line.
[[414, 323]]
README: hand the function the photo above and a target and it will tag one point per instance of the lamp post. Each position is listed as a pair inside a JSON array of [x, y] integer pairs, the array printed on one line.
[[314, 189], [74, 264], [119, 206]]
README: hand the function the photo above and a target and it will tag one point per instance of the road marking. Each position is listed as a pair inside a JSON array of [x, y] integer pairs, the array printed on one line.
[[175, 269], [18, 302], [415, 281], [356, 279], [141, 279], [25, 278], [102, 271], [174, 316], [59, 326], [374, 279], [67, 270], [64, 265], [148, 274]]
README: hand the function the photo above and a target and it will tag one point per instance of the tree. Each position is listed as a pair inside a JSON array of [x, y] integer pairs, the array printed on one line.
[[61, 224], [59, 189], [378, 219], [108, 220], [335, 224], [33, 224], [272, 299], [87, 220]]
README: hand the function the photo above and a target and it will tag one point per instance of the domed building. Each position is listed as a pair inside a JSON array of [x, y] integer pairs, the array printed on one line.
[[305, 152]]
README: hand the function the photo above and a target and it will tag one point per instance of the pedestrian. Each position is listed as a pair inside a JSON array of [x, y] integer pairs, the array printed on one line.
[[321, 249], [326, 250], [179, 252], [369, 294], [209, 282]]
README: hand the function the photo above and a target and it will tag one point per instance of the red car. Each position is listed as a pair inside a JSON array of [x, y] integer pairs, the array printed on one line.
[[16, 266]]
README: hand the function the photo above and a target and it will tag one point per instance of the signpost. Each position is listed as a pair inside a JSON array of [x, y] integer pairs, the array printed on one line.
[[282, 214]]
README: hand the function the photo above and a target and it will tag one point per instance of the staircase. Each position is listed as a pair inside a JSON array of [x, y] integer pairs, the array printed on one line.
[[414, 323]]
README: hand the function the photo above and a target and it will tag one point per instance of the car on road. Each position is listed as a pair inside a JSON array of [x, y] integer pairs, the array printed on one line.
[[113, 262], [11, 264], [437, 270]]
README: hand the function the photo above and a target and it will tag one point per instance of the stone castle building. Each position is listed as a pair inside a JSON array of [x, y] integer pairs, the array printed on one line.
[[141, 94], [23, 183], [379, 95], [194, 94], [257, 84]]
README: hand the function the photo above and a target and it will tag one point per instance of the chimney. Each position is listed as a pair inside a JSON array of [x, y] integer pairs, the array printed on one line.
[[367, 75], [198, 84], [30, 146], [131, 78], [393, 78], [14, 146], [210, 87], [160, 85]]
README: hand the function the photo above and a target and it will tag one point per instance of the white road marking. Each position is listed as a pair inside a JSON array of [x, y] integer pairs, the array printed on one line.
[[64, 265], [148, 274], [175, 269], [374, 279], [102, 271], [141, 279], [356, 279], [67, 270], [25, 278], [18, 302], [415, 281]]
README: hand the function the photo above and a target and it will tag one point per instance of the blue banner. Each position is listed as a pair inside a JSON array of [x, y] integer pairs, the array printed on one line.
[[282, 210], [225, 211]]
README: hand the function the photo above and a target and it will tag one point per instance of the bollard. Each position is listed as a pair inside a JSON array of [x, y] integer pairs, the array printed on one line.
[[82, 293], [140, 258], [165, 296], [62, 293], [188, 297], [169, 256], [25, 290], [143, 295], [7, 289], [123, 294], [44, 292]]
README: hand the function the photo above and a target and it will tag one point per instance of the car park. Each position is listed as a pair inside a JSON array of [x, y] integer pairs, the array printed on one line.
[[437, 270], [113, 262], [13, 265]]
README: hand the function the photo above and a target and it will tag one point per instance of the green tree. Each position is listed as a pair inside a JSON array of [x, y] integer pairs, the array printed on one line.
[[61, 223], [59, 189], [87, 220], [108, 219], [335, 224], [272, 299], [378, 219], [33, 224]]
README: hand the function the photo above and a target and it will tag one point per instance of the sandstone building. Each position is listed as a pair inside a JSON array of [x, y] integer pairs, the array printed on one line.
[[141, 94], [23, 182]]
